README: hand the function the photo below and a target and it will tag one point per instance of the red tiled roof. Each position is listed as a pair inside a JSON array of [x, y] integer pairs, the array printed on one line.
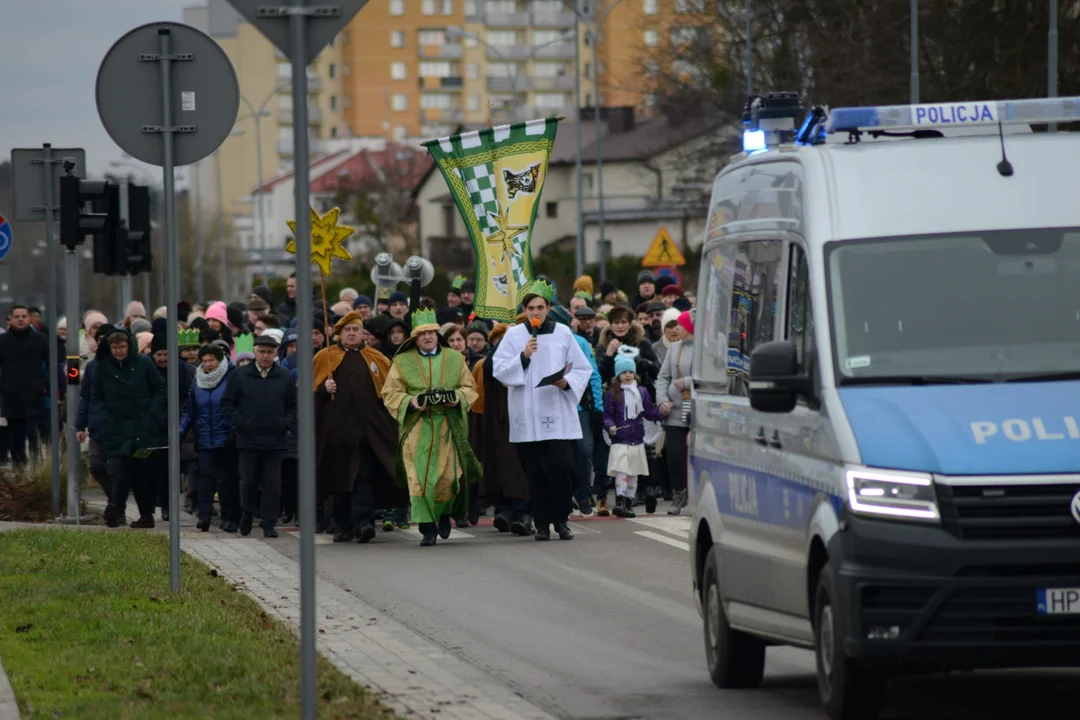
[[273, 182], [399, 166]]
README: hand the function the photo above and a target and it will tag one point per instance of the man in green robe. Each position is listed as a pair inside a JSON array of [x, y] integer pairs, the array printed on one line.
[[429, 390]]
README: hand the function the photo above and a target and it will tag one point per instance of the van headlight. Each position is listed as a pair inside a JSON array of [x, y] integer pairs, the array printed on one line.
[[883, 493]]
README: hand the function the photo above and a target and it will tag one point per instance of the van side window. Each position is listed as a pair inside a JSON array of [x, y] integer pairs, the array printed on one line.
[[800, 317], [753, 307]]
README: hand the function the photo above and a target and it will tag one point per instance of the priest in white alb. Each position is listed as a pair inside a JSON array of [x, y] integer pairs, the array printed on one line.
[[545, 374]]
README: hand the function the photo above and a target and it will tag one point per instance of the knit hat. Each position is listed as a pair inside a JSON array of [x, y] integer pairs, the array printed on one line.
[[468, 286], [624, 363], [361, 300], [377, 326], [686, 319], [584, 284], [681, 304], [398, 297], [234, 316], [477, 327], [161, 312], [264, 292], [140, 325], [212, 349], [448, 314], [646, 276], [160, 342], [276, 333], [217, 311], [61, 323], [560, 314], [670, 315], [258, 305], [144, 340], [607, 288], [135, 309], [92, 318], [672, 290]]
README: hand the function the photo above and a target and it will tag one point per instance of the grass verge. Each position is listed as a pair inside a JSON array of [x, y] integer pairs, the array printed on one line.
[[89, 629]]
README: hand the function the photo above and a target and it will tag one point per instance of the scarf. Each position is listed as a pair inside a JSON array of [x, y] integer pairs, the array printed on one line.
[[632, 400], [209, 381]]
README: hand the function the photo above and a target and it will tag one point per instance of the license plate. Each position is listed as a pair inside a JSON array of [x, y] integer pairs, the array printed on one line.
[[1058, 601]]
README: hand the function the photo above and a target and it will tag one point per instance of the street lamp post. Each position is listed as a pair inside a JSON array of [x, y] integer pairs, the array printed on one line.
[[221, 227], [258, 114]]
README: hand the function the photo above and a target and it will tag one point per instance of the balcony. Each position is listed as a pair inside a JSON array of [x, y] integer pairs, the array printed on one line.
[[560, 82], [563, 50], [508, 20], [553, 20], [446, 51], [285, 117], [442, 115], [505, 84], [314, 83], [508, 52], [452, 82]]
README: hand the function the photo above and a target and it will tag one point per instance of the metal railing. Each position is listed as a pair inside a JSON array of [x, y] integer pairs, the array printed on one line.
[[448, 51], [563, 50]]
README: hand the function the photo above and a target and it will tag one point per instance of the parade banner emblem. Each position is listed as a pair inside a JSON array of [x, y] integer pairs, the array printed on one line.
[[495, 176]]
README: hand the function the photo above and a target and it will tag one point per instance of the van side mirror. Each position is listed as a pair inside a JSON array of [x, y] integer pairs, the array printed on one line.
[[775, 384]]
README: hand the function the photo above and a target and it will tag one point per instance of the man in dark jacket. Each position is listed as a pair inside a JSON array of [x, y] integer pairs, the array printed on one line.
[[260, 403], [24, 384], [130, 397], [158, 462]]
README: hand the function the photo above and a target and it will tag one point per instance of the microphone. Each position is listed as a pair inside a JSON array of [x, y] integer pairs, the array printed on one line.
[[535, 322]]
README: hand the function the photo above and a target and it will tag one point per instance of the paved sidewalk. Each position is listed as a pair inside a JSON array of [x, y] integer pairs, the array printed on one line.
[[409, 674], [9, 709]]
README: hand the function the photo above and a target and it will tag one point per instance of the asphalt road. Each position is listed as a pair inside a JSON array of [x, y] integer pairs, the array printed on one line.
[[605, 627]]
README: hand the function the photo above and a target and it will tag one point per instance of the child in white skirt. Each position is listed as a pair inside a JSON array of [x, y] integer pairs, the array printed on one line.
[[626, 408]]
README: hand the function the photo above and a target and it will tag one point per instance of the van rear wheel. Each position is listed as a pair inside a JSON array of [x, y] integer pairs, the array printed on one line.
[[848, 690], [736, 660]]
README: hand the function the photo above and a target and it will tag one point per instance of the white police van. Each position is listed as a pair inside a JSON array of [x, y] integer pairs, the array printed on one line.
[[885, 445]]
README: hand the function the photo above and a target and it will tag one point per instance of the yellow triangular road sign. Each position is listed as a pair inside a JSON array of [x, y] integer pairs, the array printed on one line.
[[663, 251]]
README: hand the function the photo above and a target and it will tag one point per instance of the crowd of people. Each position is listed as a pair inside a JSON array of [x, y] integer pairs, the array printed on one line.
[[425, 415]]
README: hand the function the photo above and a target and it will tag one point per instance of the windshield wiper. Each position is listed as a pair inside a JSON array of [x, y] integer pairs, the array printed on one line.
[[1045, 377], [915, 380]]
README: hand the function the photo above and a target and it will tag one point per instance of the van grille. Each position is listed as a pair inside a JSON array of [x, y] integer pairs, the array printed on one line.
[[996, 614], [1008, 512]]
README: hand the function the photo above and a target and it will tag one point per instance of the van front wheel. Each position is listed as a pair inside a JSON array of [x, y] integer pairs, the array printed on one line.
[[736, 660], [848, 691]]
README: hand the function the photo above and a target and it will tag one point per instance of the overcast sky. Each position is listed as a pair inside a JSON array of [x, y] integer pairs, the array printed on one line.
[[50, 51]]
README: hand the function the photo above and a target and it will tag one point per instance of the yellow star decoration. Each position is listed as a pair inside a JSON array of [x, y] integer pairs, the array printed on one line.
[[504, 236], [327, 239]]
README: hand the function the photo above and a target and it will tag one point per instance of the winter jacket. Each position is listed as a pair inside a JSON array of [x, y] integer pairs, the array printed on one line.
[[132, 400], [261, 410], [24, 382], [665, 381], [87, 417], [203, 411], [648, 364], [594, 390], [629, 432]]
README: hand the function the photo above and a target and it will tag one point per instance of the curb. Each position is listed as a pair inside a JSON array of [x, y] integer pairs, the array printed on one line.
[[9, 708]]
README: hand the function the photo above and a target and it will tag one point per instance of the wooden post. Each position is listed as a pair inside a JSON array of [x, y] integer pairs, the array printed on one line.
[[491, 122]]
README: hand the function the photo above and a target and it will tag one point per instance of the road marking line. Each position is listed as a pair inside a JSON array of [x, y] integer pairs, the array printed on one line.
[[679, 527], [664, 539]]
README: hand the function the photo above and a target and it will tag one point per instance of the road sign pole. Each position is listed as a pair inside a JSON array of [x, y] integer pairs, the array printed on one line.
[[51, 320], [74, 458], [172, 297], [305, 399]]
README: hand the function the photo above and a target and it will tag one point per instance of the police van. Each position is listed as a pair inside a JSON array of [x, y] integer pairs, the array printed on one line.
[[884, 456]]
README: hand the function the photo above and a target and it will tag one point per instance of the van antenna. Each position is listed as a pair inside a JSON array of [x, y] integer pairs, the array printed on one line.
[[1004, 168]]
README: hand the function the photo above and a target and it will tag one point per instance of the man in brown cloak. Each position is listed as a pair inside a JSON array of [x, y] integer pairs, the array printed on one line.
[[355, 437]]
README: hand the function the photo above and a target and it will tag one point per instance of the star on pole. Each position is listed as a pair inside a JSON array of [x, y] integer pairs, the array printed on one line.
[[327, 239], [504, 236]]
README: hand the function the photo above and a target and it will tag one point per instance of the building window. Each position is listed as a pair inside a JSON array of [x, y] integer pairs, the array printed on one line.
[[400, 133], [331, 71], [333, 103], [435, 69], [548, 70], [472, 71], [397, 7], [689, 6], [474, 102], [348, 101], [550, 7], [471, 42], [588, 70], [399, 103], [652, 7], [435, 101], [397, 71], [470, 8], [683, 35], [447, 7], [432, 37], [652, 38], [550, 100], [397, 39], [543, 37], [428, 7], [333, 132], [502, 70], [501, 6], [501, 37], [284, 70], [551, 209], [284, 101]]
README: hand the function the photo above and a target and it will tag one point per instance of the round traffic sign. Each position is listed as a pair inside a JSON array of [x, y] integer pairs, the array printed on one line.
[[203, 89], [668, 271], [7, 234]]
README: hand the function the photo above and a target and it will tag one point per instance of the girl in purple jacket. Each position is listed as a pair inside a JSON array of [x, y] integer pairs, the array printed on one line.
[[626, 408]]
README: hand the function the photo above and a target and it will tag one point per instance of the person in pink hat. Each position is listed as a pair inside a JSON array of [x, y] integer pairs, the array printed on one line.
[[217, 316]]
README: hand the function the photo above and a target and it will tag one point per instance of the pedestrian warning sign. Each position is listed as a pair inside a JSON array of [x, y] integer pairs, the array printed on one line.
[[663, 251]]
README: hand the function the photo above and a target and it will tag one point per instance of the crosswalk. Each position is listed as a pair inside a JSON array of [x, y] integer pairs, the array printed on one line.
[[667, 530]]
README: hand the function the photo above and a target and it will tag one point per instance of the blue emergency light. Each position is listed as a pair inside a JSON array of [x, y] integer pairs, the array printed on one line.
[[1043, 111], [753, 141]]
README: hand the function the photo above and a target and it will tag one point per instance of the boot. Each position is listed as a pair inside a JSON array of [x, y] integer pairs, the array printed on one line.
[[564, 531], [502, 522], [628, 510], [144, 523], [620, 506], [601, 507], [678, 503], [650, 500]]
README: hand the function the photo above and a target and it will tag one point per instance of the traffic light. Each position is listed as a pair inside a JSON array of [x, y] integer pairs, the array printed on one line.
[[138, 238], [75, 225], [110, 257], [74, 373]]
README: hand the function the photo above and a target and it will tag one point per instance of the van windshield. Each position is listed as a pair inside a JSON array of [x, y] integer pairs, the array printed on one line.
[[972, 307]]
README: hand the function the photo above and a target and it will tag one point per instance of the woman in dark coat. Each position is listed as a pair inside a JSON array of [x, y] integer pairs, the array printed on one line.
[[622, 330]]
